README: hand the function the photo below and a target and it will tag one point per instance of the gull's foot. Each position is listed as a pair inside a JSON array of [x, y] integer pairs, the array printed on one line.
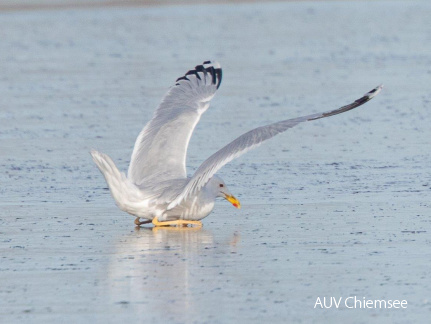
[[139, 223], [178, 222], [176, 229]]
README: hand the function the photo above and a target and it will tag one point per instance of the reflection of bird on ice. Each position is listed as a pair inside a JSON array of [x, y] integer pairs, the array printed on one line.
[[156, 187], [150, 264]]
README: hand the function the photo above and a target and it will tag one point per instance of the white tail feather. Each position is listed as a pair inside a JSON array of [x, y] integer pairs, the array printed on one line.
[[126, 195]]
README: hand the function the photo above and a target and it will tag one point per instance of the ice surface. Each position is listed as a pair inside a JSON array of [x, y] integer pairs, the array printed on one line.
[[338, 207]]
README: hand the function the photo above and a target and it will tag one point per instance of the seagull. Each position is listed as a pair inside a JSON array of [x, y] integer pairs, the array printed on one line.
[[157, 188]]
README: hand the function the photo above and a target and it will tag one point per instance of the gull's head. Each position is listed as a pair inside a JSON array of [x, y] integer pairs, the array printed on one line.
[[219, 188]]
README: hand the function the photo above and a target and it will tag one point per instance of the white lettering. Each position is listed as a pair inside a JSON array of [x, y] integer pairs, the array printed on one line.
[[318, 302], [335, 302], [346, 304], [380, 303], [324, 302], [355, 302]]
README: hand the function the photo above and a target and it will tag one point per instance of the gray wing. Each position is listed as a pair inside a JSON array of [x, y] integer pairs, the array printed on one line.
[[161, 147], [251, 140]]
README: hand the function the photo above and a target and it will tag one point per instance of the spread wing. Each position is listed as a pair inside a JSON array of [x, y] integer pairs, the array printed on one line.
[[251, 140], [161, 147]]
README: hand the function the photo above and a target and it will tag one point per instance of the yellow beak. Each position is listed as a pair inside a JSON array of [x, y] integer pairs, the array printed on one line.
[[235, 202]]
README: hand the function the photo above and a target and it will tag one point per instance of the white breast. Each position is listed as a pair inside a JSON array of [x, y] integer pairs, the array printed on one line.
[[195, 208]]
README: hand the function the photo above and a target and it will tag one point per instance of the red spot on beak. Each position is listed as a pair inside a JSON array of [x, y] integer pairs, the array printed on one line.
[[233, 201]]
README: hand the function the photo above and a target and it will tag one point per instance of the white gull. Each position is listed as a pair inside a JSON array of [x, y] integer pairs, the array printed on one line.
[[156, 187]]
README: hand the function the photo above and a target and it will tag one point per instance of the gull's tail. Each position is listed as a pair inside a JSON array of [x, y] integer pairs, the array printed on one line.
[[125, 193]]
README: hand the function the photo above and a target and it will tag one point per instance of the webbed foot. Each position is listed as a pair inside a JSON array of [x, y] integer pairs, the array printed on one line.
[[178, 222]]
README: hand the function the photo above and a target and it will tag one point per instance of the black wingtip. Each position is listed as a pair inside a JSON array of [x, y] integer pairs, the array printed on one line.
[[207, 67], [219, 75], [358, 102], [194, 72], [214, 68], [375, 91], [182, 78]]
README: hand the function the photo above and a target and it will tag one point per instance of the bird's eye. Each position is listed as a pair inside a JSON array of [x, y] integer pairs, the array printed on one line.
[[221, 185]]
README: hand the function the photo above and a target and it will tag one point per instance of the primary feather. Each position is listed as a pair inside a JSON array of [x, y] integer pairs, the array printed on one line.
[[161, 147], [252, 139]]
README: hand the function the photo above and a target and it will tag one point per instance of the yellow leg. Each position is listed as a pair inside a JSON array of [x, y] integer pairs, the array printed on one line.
[[178, 222], [157, 229]]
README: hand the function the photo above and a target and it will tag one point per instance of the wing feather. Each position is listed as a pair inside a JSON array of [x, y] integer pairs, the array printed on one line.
[[160, 150], [252, 139]]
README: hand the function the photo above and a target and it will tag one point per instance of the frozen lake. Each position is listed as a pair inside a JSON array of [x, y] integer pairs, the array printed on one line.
[[335, 208]]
